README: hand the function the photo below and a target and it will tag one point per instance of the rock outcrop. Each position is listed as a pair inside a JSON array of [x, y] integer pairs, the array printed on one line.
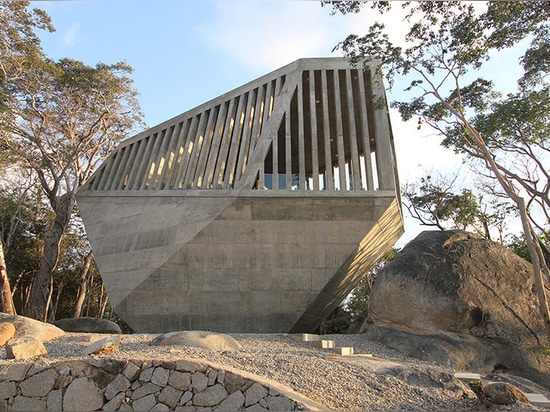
[[88, 325], [464, 302], [27, 327], [197, 339]]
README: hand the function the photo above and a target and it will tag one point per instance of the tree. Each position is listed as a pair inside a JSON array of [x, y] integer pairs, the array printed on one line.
[[434, 201], [19, 43], [446, 43], [61, 119]]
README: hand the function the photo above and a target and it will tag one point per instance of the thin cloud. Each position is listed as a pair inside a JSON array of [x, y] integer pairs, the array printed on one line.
[[71, 35], [267, 35]]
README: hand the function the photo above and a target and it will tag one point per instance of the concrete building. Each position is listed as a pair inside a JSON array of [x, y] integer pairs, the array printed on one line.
[[257, 211]]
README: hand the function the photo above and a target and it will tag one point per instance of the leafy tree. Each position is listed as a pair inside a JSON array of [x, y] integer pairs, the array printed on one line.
[[446, 43], [61, 119], [19, 43], [434, 201]]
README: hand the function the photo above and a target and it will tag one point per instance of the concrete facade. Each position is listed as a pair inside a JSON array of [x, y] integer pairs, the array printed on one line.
[[255, 212]]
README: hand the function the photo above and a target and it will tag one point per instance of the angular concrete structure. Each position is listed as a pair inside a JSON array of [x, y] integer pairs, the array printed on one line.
[[258, 211]]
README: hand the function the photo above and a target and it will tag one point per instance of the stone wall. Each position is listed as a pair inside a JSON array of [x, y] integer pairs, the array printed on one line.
[[132, 385]]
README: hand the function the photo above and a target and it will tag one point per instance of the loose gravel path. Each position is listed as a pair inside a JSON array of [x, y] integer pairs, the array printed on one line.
[[386, 381]]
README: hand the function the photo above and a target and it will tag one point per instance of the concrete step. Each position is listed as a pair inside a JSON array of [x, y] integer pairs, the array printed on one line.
[[467, 376], [323, 344], [316, 341], [304, 337], [538, 400], [343, 351]]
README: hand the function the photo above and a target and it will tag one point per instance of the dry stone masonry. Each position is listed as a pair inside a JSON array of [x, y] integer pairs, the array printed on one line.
[[132, 385]]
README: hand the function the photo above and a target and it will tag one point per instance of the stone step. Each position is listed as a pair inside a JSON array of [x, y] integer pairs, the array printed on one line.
[[343, 351], [467, 376], [316, 341], [537, 399], [323, 344], [304, 337]]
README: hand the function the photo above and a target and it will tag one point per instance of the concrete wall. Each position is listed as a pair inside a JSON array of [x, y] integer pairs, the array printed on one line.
[[255, 212]]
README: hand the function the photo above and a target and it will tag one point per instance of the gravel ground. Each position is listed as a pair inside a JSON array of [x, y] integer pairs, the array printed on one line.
[[386, 381]]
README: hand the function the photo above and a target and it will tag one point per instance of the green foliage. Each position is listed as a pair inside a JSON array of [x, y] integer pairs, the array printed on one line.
[[435, 201], [337, 322], [518, 245], [354, 308], [19, 44], [58, 120]]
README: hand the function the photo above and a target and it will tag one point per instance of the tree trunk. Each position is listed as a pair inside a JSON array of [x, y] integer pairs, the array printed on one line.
[[37, 307], [82, 287], [53, 312], [104, 299], [537, 259], [7, 301]]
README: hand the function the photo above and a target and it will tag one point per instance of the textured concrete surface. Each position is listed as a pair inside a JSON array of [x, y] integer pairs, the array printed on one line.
[[256, 212]]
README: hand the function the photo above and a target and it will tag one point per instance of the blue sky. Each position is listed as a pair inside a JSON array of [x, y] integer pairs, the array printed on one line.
[[186, 52]]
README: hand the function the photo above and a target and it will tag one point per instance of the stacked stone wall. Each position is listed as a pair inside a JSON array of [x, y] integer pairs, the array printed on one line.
[[133, 385]]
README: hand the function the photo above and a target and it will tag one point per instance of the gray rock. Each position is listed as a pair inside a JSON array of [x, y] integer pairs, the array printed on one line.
[[198, 339], [144, 390], [502, 393], [24, 348], [233, 402], [160, 407], [160, 376], [170, 396], [54, 401], [114, 403], [22, 403], [189, 366], [14, 372], [234, 382], [119, 384], [212, 376], [279, 403], [465, 302], [254, 394], [144, 404], [255, 408], [82, 395], [186, 397], [180, 380], [40, 384], [7, 390], [146, 374], [210, 396], [199, 382], [88, 325], [103, 346], [27, 327], [131, 371]]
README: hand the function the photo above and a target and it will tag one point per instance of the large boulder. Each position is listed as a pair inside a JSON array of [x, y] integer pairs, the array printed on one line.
[[88, 325], [198, 339], [27, 327], [465, 302]]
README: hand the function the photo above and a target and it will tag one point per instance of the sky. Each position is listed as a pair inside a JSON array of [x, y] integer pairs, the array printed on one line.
[[186, 52]]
